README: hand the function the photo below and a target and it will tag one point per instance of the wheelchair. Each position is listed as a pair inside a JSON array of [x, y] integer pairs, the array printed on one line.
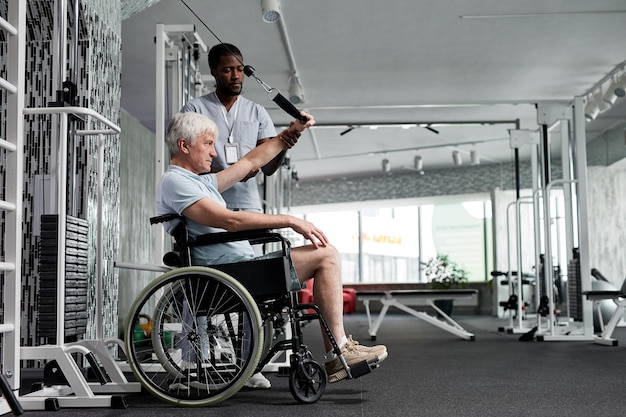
[[196, 334]]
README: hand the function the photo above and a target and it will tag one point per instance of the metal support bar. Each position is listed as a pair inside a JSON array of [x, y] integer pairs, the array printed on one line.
[[11, 265], [99, 227]]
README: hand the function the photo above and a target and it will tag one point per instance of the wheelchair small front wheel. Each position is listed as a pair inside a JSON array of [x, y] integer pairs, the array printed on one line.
[[307, 381]]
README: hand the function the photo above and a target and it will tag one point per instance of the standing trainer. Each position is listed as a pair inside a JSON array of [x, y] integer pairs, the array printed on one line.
[[242, 125]]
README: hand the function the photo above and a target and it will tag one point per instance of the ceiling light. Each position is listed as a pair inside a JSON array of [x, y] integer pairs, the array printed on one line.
[[270, 9], [602, 105], [610, 96], [348, 130], [620, 88], [591, 109], [456, 157], [428, 127], [474, 157], [386, 165], [418, 163], [295, 91]]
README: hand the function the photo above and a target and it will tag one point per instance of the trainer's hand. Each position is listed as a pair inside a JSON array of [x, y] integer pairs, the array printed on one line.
[[251, 174], [289, 136]]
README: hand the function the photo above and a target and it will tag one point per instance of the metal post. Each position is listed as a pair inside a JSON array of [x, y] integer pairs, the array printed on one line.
[[13, 204], [159, 130], [580, 146]]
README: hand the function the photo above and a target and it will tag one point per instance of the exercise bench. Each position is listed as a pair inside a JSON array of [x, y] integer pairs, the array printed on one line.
[[619, 296], [402, 299]]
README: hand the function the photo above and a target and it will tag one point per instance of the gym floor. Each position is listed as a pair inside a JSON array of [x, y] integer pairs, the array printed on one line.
[[432, 373]]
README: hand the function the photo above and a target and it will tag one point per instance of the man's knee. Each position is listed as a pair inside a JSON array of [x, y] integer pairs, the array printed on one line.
[[331, 254]]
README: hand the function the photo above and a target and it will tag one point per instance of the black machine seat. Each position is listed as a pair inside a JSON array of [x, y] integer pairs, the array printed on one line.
[[263, 278]]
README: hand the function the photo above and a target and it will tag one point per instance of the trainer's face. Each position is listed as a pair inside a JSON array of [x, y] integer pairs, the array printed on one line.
[[229, 75]]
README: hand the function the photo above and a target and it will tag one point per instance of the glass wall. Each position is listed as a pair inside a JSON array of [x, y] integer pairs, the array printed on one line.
[[386, 243], [463, 232]]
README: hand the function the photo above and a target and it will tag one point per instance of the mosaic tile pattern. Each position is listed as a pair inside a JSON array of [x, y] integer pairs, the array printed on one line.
[[460, 180], [130, 7], [99, 58]]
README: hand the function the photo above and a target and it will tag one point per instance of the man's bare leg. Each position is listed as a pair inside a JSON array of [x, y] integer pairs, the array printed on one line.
[[323, 264]]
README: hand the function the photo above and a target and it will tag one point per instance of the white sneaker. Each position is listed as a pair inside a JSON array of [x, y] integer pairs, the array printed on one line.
[[258, 381]]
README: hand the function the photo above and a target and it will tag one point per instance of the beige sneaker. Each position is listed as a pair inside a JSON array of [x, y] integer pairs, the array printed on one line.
[[378, 350], [353, 353]]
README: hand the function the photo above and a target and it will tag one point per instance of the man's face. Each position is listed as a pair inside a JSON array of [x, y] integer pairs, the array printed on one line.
[[200, 154], [229, 75]]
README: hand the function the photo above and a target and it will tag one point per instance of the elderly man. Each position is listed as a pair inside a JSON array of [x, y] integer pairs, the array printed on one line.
[[188, 190]]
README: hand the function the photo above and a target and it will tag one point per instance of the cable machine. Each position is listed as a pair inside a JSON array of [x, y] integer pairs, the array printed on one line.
[[517, 305], [570, 120], [71, 388]]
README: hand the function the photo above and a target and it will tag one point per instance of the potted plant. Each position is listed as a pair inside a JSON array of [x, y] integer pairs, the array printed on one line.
[[444, 274]]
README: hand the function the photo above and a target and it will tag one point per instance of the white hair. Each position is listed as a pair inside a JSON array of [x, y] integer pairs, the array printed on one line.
[[188, 126]]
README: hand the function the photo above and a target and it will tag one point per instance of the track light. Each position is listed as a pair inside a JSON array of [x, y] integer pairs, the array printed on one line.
[[474, 157], [348, 130], [456, 157], [591, 109], [386, 165], [270, 9], [295, 91], [428, 127], [602, 105], [620, 88], [418, 163], [610, 96]]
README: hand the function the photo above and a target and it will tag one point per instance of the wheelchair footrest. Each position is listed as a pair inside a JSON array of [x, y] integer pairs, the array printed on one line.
[[363, 368]]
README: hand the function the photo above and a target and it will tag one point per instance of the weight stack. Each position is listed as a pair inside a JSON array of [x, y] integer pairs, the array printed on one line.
[[574, 291], [76, 259]]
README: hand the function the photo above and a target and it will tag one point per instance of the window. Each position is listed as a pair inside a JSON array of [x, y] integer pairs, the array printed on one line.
[[386, 243]]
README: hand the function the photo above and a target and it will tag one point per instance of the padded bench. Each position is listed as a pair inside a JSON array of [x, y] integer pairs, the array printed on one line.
[[402, 299], [619, 296]]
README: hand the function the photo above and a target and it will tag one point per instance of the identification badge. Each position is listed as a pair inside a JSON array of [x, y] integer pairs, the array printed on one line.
[[232, 153]]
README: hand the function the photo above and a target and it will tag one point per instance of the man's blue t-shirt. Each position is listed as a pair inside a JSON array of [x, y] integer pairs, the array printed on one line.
[[180, 188]]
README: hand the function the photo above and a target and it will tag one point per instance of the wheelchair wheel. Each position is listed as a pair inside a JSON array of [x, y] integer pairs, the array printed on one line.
[[268, 337], [203, 342], [307, 381]]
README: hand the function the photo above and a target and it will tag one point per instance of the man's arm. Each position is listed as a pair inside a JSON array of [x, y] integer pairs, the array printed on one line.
[[210, 213], [261, 155], [253, 160], [290, 138]]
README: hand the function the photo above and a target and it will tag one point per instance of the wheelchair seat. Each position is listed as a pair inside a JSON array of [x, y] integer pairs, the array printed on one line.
[[263, 278]]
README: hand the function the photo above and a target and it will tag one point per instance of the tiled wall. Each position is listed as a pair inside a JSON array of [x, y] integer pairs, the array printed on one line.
[[137, 205], [99, 54], [442, 182]]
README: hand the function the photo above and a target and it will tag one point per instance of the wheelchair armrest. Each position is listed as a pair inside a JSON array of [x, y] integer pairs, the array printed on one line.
[[164, 218], [255, 237]]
